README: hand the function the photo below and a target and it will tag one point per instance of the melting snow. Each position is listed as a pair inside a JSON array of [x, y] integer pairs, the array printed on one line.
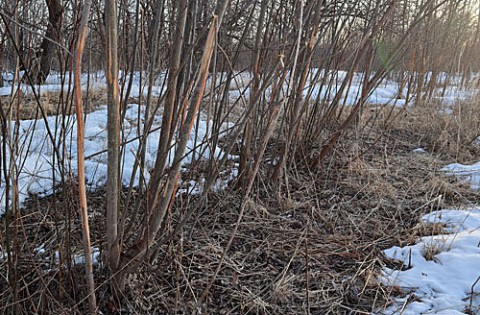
[[467, 173], [442, 283], [38, 162], [441, 270]]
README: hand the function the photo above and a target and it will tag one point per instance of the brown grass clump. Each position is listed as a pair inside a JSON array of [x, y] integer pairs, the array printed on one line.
[[450, 131], [310, 245], [52, 103]]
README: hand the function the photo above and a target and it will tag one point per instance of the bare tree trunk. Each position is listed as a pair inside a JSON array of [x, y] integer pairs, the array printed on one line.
[[295, 113], [248, 139], [153, 50], [47, 48], [82, 34], [164, 199], [170, 107], [113, 181]]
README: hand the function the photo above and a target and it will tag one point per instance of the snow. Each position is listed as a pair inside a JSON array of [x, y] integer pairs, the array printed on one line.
[[54, 256], [387, 92], [419, 151], [95, 81], [441, 284], [79, 259], [440, 271], [37, 161], [466, 173]]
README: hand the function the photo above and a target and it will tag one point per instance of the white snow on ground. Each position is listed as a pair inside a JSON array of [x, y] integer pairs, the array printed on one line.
[[95, 81], [387, 92], [467, 173], [419, 151], [441, 269], [77, 259], [37, 160], [443, 283]]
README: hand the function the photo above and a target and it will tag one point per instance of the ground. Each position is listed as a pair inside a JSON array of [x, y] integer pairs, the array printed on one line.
[[313, 246]]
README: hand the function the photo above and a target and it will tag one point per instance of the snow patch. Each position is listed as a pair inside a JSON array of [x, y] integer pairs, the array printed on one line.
[[466, 173], [419, 151], [37, 160], [441, 269]]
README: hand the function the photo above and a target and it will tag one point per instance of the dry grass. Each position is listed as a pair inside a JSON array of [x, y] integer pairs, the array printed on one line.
[[449, 131], [312, 245], [52, 103]]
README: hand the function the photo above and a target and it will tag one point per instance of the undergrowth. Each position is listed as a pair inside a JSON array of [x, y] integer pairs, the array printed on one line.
[[311, 244]]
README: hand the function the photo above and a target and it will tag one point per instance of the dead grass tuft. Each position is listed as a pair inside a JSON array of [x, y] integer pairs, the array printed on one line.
[[451, 131], [52, 103]]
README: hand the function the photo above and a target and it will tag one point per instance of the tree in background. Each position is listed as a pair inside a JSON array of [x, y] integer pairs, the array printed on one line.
[[41, 67]]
